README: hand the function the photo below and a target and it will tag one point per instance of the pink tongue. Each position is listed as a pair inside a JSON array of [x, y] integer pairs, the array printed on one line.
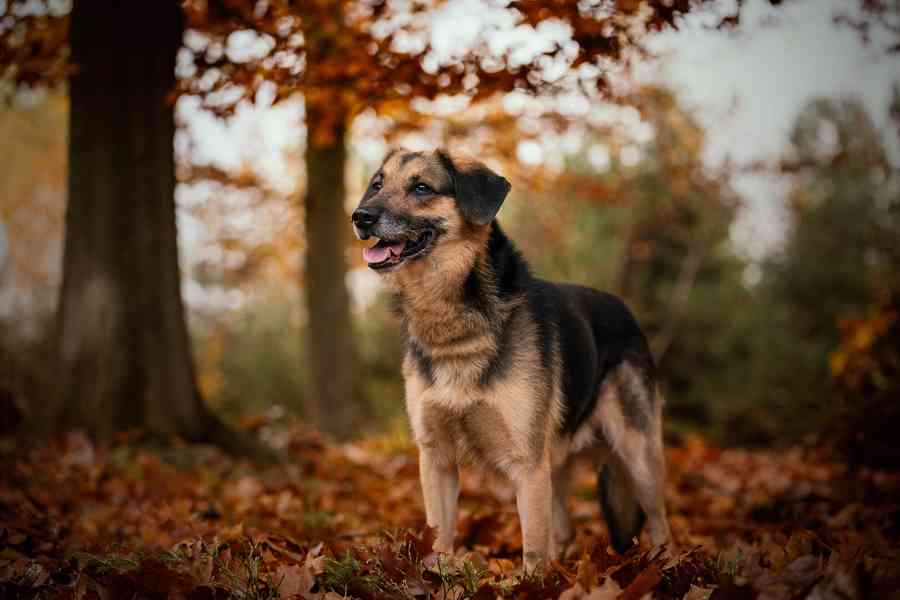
[[379, 253]]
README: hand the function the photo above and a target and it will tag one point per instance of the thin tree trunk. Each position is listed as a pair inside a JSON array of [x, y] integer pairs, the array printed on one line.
[[681, 294], [333, 401], [125, 357], [622, 275]]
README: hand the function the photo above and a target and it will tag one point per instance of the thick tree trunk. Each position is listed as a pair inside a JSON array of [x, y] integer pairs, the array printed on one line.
[[125, 357], [334, 401]]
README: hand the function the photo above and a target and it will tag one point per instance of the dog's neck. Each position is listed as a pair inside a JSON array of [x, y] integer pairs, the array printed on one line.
[[457, 295]]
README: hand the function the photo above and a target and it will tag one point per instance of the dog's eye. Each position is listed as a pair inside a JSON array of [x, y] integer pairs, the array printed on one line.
[[421, 189], [377, 185]]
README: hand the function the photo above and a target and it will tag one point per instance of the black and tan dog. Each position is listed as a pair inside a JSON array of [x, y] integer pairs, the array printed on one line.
[[504, 369]]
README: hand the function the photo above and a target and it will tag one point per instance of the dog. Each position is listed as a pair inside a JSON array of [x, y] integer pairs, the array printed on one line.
[[506, 370]]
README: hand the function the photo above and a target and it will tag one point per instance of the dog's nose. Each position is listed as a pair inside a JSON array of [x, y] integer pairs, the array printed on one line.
[[364, 217]]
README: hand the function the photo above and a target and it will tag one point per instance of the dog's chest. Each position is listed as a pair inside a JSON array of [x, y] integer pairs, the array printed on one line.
[[477, 433], [464, 425]]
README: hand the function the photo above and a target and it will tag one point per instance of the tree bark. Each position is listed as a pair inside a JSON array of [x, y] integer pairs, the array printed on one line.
[[124, 351], [334, 401]]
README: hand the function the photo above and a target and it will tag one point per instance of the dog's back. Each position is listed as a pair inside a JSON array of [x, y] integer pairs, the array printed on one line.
[[585, 333], [596, 333]]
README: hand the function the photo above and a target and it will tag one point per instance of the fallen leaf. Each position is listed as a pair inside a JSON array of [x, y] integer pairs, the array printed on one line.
[[293, 580]]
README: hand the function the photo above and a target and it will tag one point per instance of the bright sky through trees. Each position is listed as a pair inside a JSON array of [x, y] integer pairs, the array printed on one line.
[[747, 85]]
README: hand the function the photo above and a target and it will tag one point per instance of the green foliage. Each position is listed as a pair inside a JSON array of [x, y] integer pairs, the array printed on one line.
[[840, 253], [245, 580], [341, 572], [381, 355], [252, 360]]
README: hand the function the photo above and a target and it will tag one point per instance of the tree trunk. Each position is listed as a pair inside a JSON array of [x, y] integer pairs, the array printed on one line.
[[334, 401], [125, 356]]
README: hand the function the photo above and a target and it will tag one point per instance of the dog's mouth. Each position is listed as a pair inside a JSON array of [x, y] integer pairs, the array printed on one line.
[[390, 253]]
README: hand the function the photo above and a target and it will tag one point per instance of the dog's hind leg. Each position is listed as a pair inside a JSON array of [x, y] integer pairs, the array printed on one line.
[[631, 483], [649, 474]]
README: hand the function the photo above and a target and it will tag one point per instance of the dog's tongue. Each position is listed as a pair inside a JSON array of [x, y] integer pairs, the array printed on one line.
[[381, 252]]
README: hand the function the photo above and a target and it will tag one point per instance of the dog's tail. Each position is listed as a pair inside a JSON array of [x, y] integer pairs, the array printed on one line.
[[624, 516]]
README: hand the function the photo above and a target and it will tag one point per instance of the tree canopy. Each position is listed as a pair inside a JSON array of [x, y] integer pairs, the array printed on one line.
[[343, 56]]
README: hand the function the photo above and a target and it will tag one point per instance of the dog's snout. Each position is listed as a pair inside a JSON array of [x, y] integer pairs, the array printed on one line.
[[364, 217]]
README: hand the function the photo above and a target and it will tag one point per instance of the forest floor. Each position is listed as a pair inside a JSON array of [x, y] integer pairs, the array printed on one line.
[[130, 521]]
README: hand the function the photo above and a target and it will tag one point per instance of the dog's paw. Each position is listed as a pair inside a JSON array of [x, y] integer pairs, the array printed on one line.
[[534, 563], [432, 561], [441, 547], [559, 549], [439, 552], [561, 541]]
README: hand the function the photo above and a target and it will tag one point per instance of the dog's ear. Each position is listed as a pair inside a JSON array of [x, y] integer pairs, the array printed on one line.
[[479, 191]]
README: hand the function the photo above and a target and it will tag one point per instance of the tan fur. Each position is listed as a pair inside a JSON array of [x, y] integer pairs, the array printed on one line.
[[510, 425]]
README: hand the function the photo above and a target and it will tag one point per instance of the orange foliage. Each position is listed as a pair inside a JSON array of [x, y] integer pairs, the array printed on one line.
[[867, 356], [344, 56], [32, 201]]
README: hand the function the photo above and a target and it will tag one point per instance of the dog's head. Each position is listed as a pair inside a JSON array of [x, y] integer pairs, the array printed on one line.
[[417, 202]]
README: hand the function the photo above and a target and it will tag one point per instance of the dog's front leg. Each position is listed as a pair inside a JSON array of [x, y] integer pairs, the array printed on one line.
[[534, 499], [440, 487]]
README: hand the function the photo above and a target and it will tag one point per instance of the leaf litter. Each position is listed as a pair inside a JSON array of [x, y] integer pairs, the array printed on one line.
[[126, 520]]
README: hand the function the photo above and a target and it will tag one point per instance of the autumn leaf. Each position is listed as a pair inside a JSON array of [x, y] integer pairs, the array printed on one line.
[[293, 580]]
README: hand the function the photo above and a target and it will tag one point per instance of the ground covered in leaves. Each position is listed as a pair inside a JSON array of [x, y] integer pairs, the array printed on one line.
[[345, 521]]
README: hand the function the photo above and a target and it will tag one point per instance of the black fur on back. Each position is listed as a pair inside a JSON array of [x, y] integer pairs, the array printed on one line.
[[593, 331]]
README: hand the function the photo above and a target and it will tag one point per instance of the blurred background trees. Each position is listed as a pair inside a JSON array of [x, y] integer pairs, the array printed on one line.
[[612, 188], [839, 267], [342, 57]]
